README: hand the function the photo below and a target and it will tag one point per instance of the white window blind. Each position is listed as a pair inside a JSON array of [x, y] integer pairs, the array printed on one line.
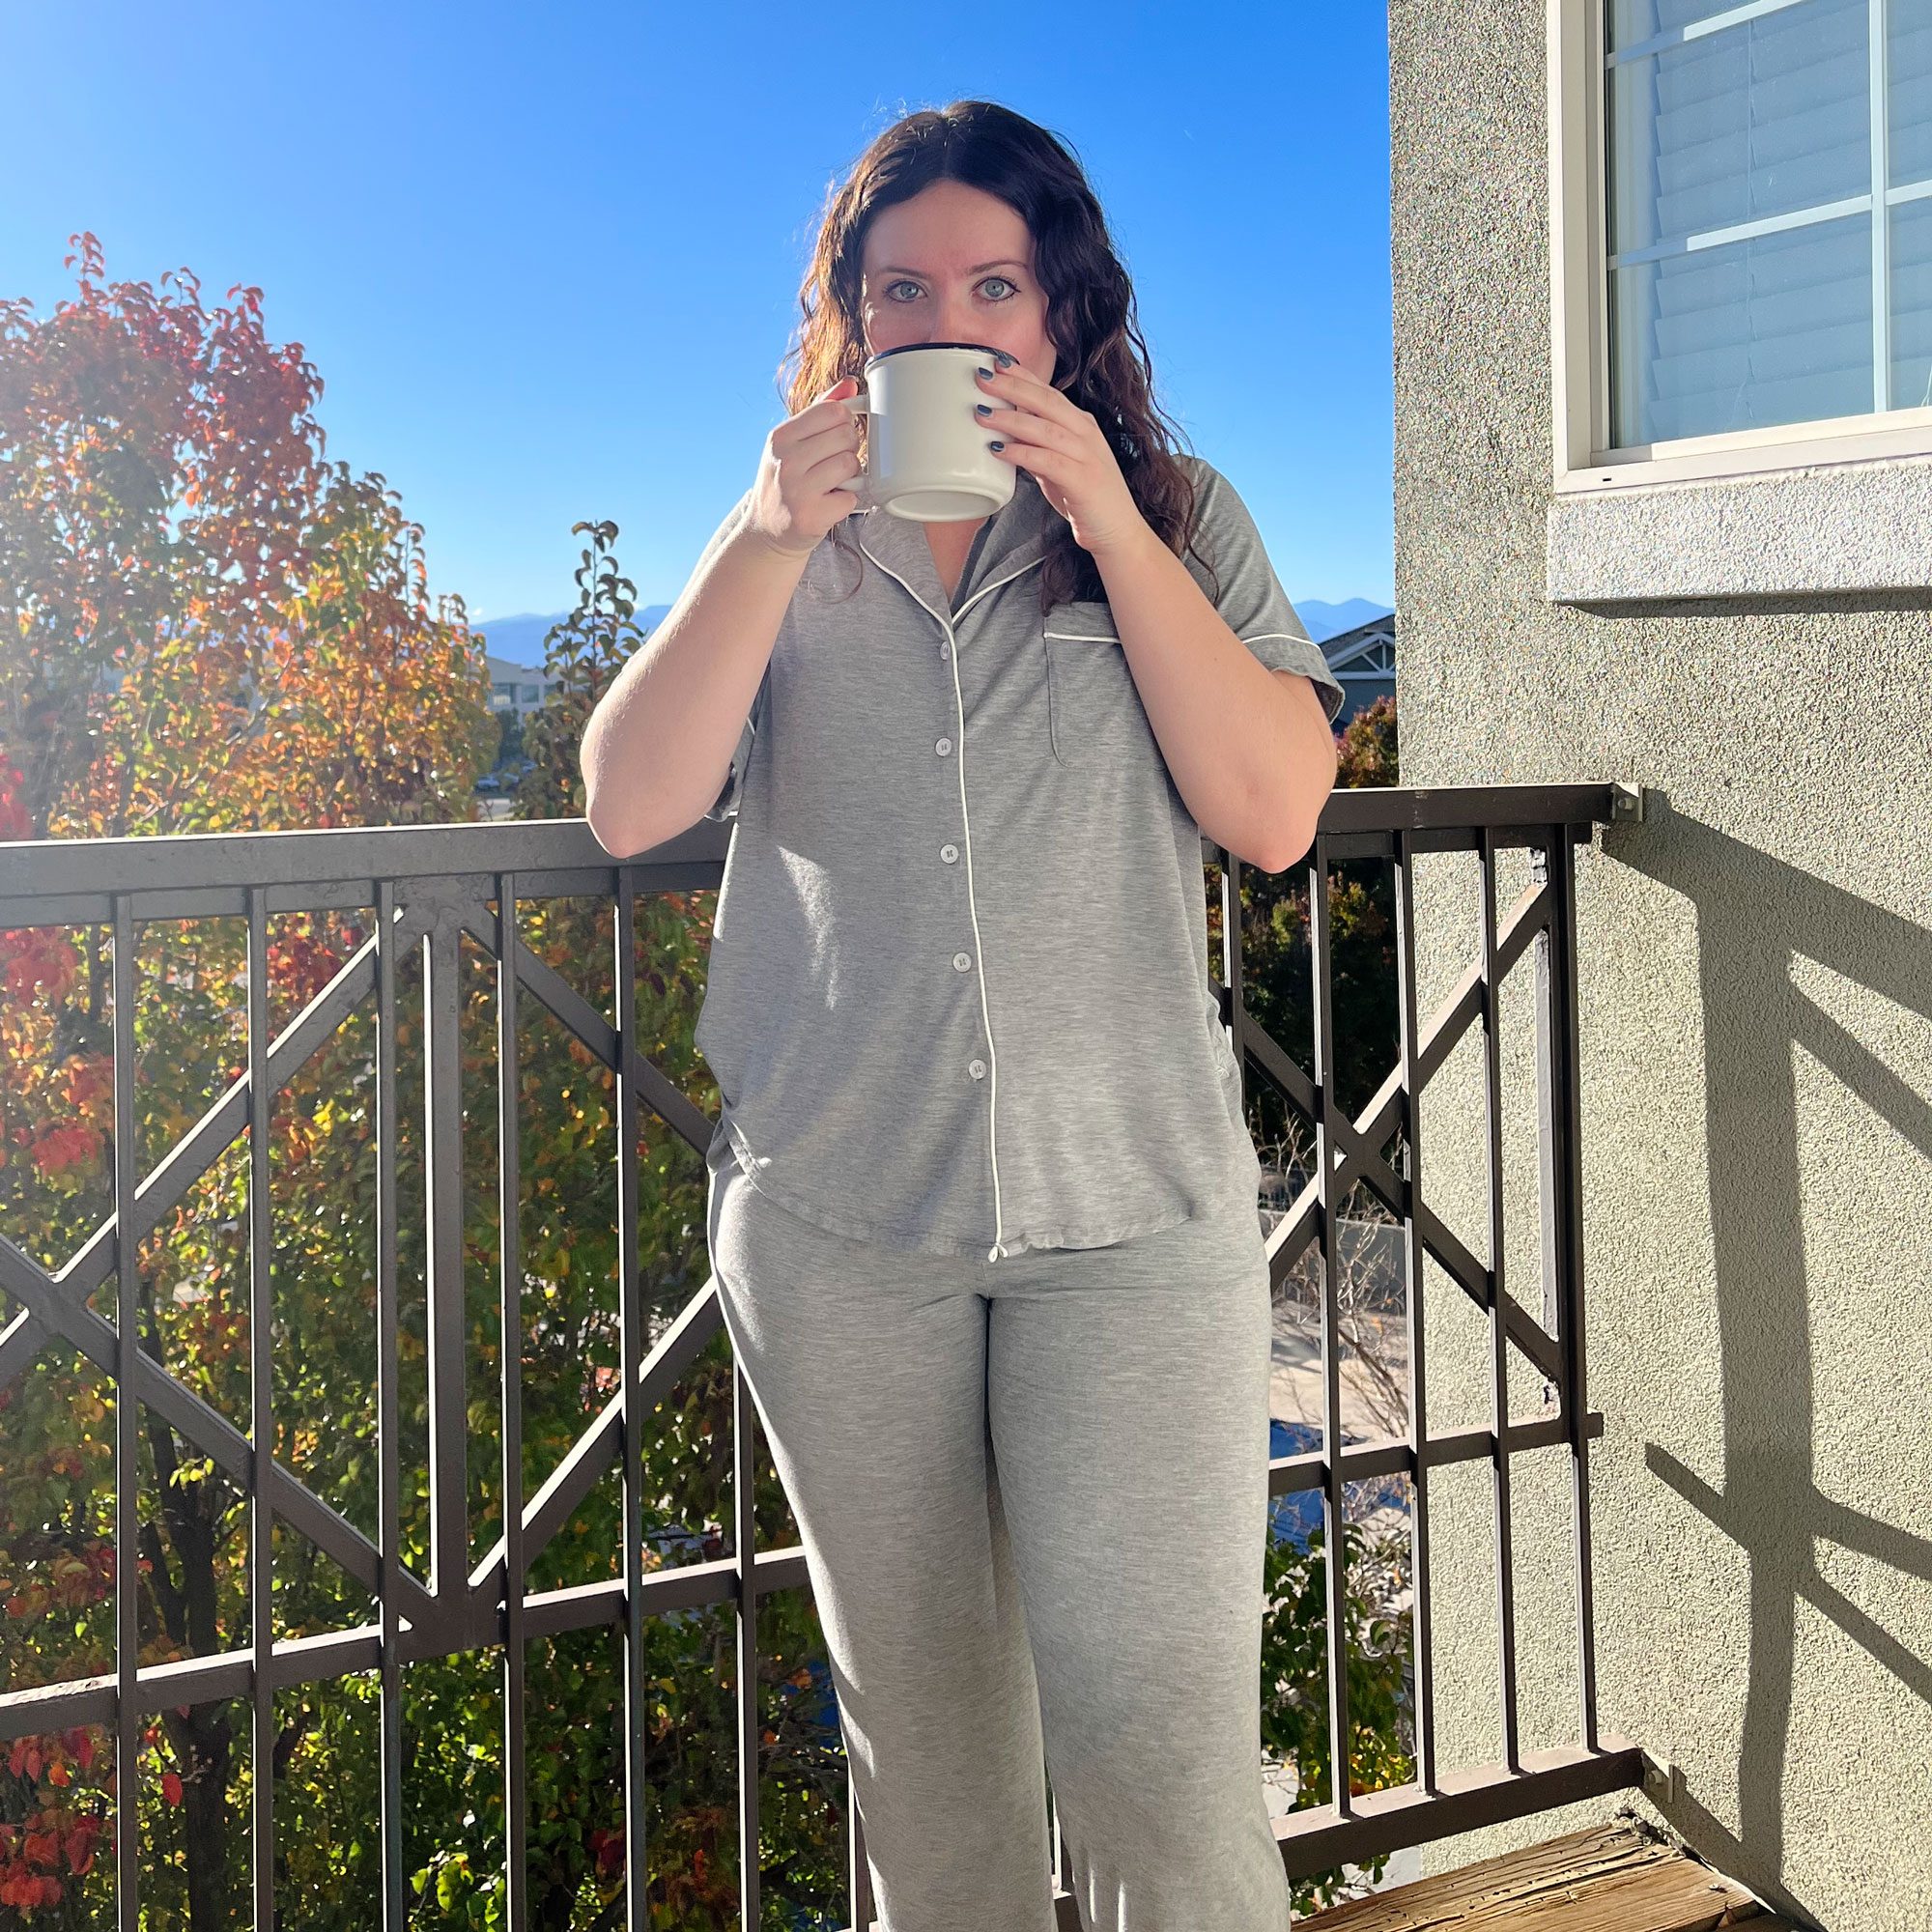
[[1769, 212]]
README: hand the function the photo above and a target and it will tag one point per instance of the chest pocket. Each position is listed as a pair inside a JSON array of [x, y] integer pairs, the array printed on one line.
[[1093, 707]]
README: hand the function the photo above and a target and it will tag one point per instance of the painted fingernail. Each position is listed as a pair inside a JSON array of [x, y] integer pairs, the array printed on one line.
[[1006, 361], [985, 372], [995, 445], [984, 408]]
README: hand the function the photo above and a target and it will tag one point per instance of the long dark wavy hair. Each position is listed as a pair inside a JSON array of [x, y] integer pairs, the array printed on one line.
[[1101, 362]]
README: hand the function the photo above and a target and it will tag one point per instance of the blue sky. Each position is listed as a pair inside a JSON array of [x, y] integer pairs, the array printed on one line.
[[547, 260]]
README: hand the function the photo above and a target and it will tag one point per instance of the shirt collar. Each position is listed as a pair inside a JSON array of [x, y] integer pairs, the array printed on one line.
[[1019, 534]]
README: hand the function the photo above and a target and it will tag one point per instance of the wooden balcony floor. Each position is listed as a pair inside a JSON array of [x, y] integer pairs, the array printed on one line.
[[1612, 1878]]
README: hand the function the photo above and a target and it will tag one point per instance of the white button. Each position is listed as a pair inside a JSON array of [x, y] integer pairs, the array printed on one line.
[[977, 1069], [944, 746], [961, 960], [942, 650], [949, 853]]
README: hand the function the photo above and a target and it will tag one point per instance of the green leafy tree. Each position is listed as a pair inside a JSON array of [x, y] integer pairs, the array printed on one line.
[[1295, 1672]]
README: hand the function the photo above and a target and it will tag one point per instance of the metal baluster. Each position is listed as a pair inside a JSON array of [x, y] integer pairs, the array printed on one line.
[[126, 1422], [261, 1428], [1333, 1528], [1231, 969], [448, 1328], [389, 1533], [629, 1353], [749, 1730], [1422, 1614], [855, 1851], [510, 1263], [1569, 1129], [1498, 1307]]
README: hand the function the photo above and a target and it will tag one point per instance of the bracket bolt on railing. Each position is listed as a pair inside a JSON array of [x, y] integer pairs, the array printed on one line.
[[1663, 1780], [1626, 802]]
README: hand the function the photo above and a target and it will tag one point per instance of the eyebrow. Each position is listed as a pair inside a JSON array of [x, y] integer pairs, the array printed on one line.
[[978, 268]]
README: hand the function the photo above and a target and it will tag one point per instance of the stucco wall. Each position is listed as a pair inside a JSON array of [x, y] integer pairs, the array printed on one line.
[[1756, 1025]]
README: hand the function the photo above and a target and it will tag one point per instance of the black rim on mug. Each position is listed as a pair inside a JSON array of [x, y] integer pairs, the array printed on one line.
[[907, 347]]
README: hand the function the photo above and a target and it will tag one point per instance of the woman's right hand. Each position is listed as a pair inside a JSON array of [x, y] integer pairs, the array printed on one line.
[[807, 461]]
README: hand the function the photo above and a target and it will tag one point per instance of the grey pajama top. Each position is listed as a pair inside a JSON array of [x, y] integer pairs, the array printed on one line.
[[958, 997]]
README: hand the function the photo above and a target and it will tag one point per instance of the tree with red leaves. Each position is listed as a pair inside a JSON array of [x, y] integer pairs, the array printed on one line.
[[204, 626]]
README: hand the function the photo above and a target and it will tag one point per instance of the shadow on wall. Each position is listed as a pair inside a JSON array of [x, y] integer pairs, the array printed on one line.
[[1751, 925]]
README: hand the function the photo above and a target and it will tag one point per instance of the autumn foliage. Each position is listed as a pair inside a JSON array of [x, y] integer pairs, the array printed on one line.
[[204, 626]]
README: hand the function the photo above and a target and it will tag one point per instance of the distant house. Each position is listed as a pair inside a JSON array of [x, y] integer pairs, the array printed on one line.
[[518, 688], [516, 680], [1363, 659]]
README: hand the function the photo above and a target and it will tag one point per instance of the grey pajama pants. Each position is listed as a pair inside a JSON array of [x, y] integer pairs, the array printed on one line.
[[1032, 1497]]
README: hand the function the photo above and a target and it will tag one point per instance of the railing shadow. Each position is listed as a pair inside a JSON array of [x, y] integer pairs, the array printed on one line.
[[1755, 917]]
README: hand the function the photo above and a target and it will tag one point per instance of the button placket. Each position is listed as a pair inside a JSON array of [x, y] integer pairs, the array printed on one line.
[[976, 1067], [961, 961]]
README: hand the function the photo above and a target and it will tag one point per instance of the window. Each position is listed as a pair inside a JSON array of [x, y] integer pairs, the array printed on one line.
[[1741, 206], [530, 694]]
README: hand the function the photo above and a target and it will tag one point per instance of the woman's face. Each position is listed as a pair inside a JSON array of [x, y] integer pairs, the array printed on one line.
[[955, 264]]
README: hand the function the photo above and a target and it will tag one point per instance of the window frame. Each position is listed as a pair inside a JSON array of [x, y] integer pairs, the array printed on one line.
[[1579, 309]]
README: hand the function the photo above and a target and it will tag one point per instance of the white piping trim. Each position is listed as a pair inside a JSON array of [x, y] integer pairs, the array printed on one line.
[[971, 903], [1112, 637], [984, 588]]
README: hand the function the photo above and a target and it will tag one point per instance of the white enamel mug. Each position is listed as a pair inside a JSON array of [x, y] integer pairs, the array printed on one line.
[[926, 453]]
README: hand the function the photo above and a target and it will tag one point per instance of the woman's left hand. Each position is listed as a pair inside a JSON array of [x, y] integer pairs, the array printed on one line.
[[1061, 446]]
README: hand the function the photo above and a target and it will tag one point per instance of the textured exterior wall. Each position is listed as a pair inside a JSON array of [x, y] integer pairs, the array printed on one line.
[[1861, 527], [1756, 1026]]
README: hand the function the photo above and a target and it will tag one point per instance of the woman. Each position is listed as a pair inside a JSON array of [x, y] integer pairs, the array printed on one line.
[[982, 1204]]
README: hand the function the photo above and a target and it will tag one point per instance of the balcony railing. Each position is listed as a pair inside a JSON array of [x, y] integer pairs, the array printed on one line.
[[427, 887]]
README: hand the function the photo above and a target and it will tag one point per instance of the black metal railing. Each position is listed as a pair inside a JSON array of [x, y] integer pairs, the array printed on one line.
[[427, 887], [1397, 825]]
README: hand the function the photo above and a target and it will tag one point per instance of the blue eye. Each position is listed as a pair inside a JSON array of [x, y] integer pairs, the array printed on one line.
[[1005, 282]]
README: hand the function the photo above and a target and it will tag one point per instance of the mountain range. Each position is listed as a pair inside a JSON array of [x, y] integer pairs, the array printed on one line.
[[519, 639], [1323, 621]]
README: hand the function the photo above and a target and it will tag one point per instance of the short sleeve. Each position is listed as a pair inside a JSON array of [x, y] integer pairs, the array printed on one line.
[[727, 804], [1244, 588]]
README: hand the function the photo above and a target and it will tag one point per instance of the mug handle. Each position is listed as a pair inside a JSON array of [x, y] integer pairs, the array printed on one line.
[[861, 485]]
